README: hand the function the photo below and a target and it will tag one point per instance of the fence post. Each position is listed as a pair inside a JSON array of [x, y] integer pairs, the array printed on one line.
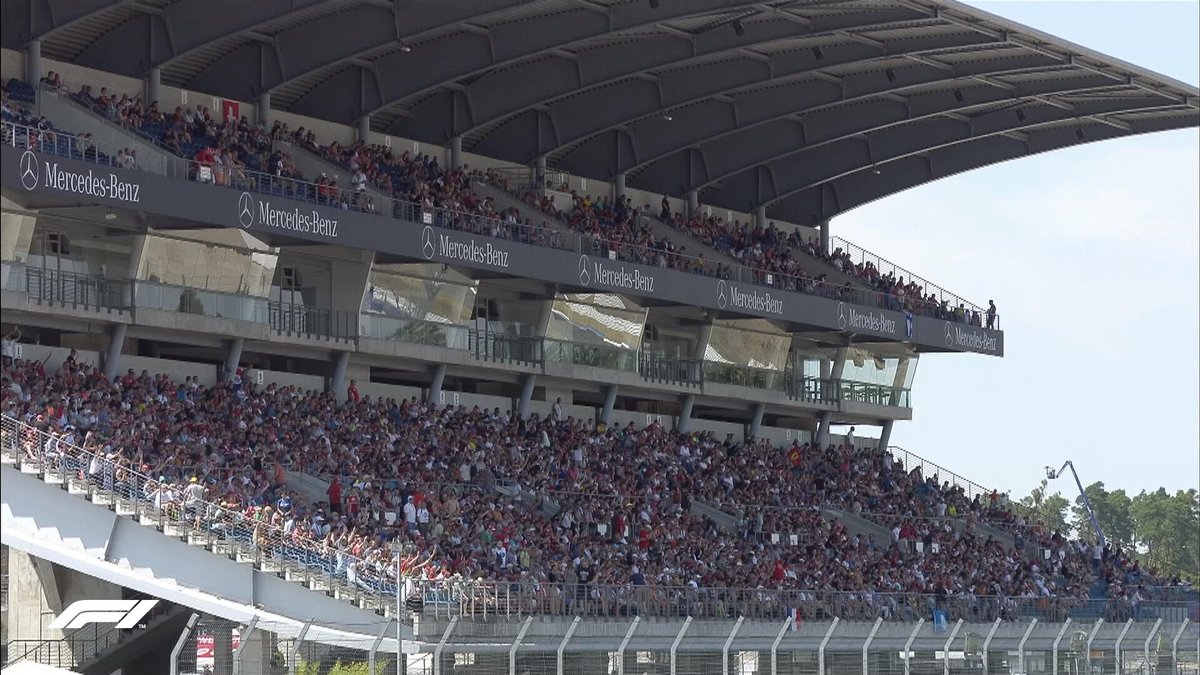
[[1054, 649], [562, 647], [1146, 647], [775, 645], [688, 622], [437, 651], [987, 643], [512, 652], [908, 645], [624, 643], [375, 645], [183, 636], [1092, 636], [1021, 645], [729, 642], [243, 638], [1117, 648], [825, 641], [295, 651], [946, 649], [867, 643], [1175, 645]]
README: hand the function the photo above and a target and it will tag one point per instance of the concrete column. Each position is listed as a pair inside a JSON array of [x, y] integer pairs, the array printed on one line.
[[435, 385], [337, 383], [38, 592], [824, 227], [618, 186], [539, 173], [610, 401], [526, 394], [823, 430], [455, 152], [154, 86], [233, 357], [364, 128], [684, 425], [760, 216], [33, 62], [693, 203], [702, 341], [264, 108], [885, 434], [839, 364], [756, 421], [112, 357]]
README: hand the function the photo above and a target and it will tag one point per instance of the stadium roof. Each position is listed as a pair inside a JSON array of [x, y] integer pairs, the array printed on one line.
[[807, 108]]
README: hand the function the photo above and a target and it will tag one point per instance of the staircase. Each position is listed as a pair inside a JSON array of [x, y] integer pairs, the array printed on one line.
[[225, 534]]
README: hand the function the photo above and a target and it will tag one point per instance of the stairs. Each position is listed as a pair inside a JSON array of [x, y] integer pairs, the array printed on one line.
[[223, 537]]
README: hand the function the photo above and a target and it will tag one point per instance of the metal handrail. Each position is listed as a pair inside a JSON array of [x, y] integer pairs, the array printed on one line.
[[884, 267], [335, 197]]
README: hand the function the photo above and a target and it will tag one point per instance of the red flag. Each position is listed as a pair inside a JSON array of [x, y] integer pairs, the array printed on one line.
[[229, 110]]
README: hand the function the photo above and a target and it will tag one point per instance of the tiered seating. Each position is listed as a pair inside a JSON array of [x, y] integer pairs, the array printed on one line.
[[435, 481]]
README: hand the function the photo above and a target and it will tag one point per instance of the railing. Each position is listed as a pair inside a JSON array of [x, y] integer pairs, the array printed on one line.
[[502, 348], [654, 367], [313, 322], [929, 469], [861, 256], [22, 137], [62, 288], [593, 355]]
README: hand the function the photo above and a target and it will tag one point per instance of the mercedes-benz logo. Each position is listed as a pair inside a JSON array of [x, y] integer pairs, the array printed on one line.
[[722, 294], [427, 246], [585, 274], [246, 209], [841, 316], [29, 170], [949, 335]]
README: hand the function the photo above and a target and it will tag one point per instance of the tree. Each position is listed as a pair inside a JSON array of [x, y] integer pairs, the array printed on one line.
[[1050, 509], [1167, 528], [1113, 511]]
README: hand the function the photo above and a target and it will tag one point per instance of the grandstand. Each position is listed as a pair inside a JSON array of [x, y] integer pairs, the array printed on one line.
[[526, 359]]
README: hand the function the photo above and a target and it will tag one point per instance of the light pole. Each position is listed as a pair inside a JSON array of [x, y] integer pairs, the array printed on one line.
[[400, 593], [1051, 474]]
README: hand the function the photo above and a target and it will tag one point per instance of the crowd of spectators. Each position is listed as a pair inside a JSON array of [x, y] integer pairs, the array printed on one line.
[[480, 494]]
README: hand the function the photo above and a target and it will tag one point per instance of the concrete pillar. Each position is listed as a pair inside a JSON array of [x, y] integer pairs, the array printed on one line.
[[264, 108], [233, 358], [885, 434], [337, 383], [618, 186], [38, 592], [539, 173], [823, 430], [257, 648], [824, 227], [435, 385], [760, 216], [154, 86], [756, 421], [693, 203], [526, 394], [610, 401], [112, 357], [455, 148], [364, 128], [839, 364], [702, 341], [33, 63], [684, 424]]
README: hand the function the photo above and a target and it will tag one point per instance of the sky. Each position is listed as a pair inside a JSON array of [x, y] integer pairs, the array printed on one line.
[[1091, 256]]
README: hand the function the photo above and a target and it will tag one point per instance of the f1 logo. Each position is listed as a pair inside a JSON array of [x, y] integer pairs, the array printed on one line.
[[124, 613]]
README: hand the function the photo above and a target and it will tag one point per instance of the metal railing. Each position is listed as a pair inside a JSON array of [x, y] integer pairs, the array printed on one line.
[[504, 348], [73, 289], [238, 178], [287, 318], [656, 367], [593, 355]]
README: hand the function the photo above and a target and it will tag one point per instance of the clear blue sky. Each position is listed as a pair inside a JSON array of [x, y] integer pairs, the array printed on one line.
[[1091, 256]]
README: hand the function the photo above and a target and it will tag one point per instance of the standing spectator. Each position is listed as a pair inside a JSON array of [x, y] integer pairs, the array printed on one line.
[[991, 314], [352, 392]]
